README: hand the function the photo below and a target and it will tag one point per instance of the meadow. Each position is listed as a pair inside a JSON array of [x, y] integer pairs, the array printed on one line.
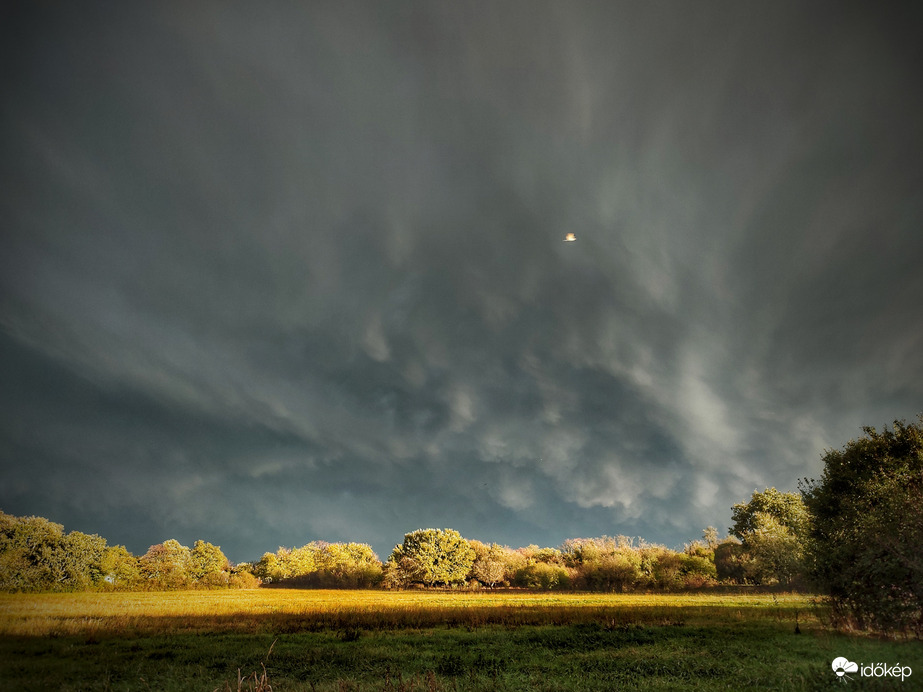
[[429, 640]]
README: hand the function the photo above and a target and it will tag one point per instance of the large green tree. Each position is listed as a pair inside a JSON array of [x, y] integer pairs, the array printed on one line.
[[433, 556], [867, 530]]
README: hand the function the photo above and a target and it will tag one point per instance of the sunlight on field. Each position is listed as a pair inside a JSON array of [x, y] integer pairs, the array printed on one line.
[[365, 641], [288, 610]]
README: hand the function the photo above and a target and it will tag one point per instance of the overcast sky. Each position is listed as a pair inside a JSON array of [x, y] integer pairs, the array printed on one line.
[[278, 273]]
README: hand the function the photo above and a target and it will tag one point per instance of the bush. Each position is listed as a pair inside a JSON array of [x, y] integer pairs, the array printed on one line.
[[213, 580], [731, 561], [542, 575], [615, 571], [697, 570], [666, 569], [243, 580]]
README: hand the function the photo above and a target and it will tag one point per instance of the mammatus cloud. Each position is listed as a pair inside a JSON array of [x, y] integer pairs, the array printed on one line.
[[274, 278]]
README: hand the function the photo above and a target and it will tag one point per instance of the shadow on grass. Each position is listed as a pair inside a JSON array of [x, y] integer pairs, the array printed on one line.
[[586, 656]]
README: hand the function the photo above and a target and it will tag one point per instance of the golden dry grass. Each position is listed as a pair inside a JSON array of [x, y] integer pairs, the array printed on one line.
[[289, 610]]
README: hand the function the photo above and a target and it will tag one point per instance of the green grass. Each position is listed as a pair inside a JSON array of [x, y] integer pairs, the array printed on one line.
[[369, 640]]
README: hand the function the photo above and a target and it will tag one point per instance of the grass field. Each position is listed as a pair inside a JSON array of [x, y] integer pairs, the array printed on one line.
[[375, 640]]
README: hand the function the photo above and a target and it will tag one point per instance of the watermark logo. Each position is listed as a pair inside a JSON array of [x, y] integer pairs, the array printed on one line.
[[843, 667]]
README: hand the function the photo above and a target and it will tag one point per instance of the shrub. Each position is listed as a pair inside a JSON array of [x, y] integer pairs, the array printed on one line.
[[666, 569], [731, 560], [213, 580], [697, 570], [242, 580], [614, 572], [542, 575]]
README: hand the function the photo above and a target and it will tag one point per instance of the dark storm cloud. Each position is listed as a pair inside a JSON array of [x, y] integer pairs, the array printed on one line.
[[299, 273]]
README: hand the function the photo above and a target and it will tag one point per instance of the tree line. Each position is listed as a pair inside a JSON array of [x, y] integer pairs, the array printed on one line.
[[765, 546], [37, 555], [854, 535], [444, 558]]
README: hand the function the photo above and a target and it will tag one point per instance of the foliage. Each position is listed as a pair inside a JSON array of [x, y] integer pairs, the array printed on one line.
[[615, 571], [578, 551], [550, 556], [603, 564], [120, 568], [242, 578], [80, 558], [773, 528], [868, 529], [429, 557], [776, 553], [542, 575], [490, 563], [268, 568], [618, 564], [346, 565], [207, 560], [698, 568], [286, 563], [731, 561], [298, 561], [321, 564], [666, 569], [36, 555], [167, 565], [662, 568], [787, 508], [399, 571], [433, 556], [698, 571]]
